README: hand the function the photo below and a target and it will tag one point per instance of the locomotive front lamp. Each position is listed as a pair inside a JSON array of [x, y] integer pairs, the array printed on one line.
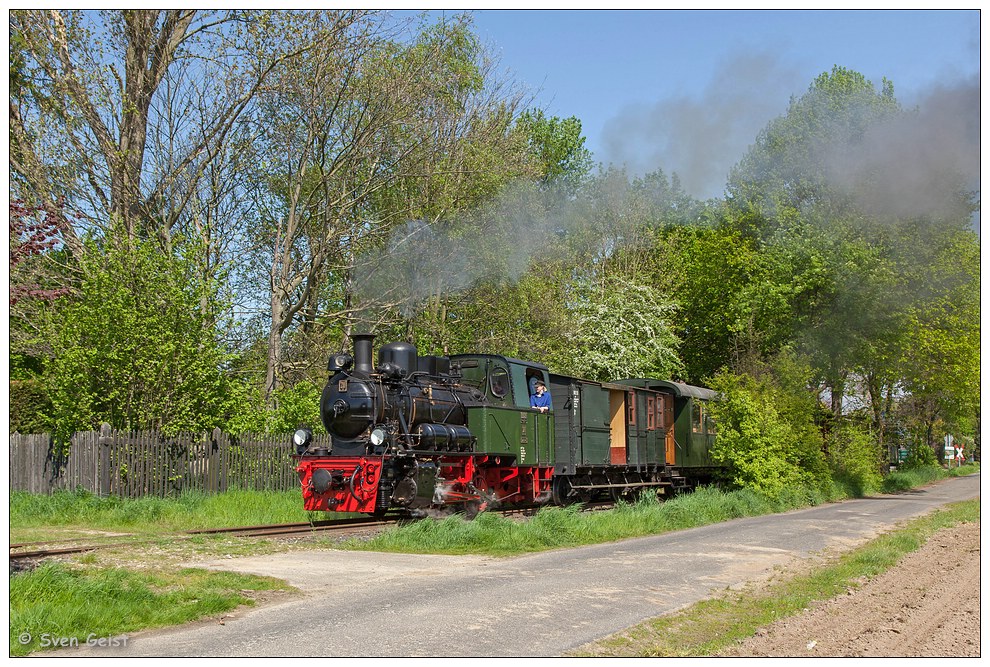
[[378, 436], [302, 438]]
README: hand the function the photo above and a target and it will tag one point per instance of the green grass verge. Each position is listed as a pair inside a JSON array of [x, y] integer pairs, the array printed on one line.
[[712, 625], [58, 605], [188, 511], [556, 527], [903, 480]]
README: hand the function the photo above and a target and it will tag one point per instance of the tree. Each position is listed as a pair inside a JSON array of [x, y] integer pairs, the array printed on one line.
[[812, 186], [789, 169], [941, 351], [557, 146], [622, 331], [359, 138], [131, 346], [121, 112]]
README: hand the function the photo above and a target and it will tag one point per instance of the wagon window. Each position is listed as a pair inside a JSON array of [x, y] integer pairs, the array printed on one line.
[[660, 405], [697, 417], [631, 407], [651, 415]]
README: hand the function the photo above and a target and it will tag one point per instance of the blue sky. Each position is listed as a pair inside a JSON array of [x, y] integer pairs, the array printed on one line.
[[688, 90]]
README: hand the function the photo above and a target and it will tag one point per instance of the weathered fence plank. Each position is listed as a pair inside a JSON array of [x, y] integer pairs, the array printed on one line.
[[133, 464]]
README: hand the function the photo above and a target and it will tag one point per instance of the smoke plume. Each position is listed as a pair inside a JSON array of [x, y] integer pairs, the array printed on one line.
[[918, 162], [702, 137], [497, 242]]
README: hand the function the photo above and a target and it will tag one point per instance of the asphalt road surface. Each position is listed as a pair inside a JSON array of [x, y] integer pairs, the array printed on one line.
[[373, 604]]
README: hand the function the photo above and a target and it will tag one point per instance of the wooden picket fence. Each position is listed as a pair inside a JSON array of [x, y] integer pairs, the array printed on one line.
[[134, 464]]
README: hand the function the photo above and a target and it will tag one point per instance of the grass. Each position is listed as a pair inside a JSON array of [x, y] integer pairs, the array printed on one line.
[[710, 626], [557, 527], [94, 598], [58, 604], [191, 510], [903, 480]]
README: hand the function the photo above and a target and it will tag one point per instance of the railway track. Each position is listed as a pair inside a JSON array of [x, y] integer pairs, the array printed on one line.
[[19, 555], [303, 528]]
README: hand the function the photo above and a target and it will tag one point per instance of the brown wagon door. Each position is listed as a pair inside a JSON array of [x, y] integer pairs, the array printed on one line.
[[665, 406], [618, 409]]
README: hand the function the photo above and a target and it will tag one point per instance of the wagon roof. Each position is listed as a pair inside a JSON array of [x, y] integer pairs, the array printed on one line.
[[679, 388]]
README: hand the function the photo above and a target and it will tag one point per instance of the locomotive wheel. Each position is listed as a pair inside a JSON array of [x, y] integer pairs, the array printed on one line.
[[472, 508], [559, 489]]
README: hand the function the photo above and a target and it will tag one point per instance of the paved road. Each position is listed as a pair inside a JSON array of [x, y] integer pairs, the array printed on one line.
[[370, 604]]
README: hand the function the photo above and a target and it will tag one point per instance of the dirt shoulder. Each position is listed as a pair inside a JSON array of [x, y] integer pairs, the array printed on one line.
[[926, 606]]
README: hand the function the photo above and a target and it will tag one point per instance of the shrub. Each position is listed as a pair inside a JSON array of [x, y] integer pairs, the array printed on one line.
[[855, 458], [920, 456], [753, 441], [294, 406]]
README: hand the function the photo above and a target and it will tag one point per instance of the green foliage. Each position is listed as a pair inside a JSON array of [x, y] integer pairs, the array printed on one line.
[[752, 440], [855, 458], [291, 407], [557, 145], [766, 435], [920, 456], [30, 407], [134, 346]]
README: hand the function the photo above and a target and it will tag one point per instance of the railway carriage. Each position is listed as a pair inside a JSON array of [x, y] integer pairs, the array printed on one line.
[[424, 431]]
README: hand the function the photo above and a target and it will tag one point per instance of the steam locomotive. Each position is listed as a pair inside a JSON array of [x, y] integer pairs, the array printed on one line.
[[414, 432]]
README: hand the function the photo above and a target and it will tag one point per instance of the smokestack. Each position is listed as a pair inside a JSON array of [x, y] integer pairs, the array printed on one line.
[[362, 353]]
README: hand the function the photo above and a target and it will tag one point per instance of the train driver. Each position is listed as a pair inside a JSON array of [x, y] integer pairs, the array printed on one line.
[[541, 399]]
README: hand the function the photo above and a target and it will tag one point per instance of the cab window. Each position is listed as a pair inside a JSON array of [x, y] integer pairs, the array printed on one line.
[[498, 381]]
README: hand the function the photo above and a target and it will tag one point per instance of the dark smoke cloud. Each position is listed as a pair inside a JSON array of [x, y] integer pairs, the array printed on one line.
[[702, 137], [916, 163], [911, 165], [526, 224]]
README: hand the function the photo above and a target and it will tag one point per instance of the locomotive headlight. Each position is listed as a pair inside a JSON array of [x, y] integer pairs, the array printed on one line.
[[301, 439], [378, 436]]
